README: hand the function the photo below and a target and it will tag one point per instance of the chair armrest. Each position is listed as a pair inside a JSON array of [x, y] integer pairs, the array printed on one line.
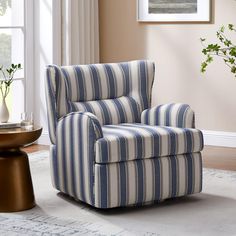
[[73, 164], [80, 122], [175, 114]]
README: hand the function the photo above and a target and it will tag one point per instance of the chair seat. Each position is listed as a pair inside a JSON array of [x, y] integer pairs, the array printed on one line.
[[126, 142]]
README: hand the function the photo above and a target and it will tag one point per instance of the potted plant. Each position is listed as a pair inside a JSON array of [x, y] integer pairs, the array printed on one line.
[[225, 49], [5, 84]]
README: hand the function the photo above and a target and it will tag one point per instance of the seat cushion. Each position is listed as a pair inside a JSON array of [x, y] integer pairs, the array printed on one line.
[[126, 142]]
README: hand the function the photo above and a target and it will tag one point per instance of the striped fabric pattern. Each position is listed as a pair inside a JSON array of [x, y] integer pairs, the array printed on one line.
[[51, 102], [115, 92], [73, 158], [127, 142], [112, 111], [109, 148], [175, 114], [144, 181]]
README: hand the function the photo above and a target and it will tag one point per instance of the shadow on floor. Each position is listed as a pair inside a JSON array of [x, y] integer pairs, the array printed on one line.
[[201, 200]]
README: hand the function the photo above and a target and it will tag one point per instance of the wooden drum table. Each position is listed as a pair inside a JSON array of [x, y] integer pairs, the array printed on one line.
[[16, 189]]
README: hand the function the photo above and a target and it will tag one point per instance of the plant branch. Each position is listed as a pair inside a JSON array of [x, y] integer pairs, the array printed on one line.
[[8, 75], [225, 49]]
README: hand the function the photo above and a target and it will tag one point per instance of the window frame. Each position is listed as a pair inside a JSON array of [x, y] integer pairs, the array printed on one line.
[[28, 34], [29, 55]]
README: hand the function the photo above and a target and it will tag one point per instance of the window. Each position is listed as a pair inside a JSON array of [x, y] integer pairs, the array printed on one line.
[[13, 41]]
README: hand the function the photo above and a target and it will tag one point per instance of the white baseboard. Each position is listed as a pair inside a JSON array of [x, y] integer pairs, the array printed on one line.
[[212, 138], [219, 138]]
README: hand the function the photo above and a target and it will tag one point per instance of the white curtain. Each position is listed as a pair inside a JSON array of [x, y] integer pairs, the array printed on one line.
[[75, 32]]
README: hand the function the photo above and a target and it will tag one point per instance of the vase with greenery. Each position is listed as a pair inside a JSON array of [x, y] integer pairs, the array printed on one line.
[[6, 79], [225, 48]]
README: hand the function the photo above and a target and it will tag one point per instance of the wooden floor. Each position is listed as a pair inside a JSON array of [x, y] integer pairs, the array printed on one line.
[[213, 157], [36, 148], [219, 158]]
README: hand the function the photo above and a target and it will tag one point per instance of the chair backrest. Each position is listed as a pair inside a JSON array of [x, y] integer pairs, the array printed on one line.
[[115, 93]]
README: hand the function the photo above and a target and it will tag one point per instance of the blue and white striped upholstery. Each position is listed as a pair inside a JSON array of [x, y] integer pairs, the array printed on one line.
[[127, 183], [126, 142], [115, 93], [73, 163], [175, 114], [145, 181], [112, 111], [109, 148]]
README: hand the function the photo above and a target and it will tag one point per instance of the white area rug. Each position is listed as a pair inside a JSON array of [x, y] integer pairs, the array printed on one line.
[[211, 212]]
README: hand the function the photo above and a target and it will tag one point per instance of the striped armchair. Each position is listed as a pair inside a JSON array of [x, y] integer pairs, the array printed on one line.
[[109, 148]]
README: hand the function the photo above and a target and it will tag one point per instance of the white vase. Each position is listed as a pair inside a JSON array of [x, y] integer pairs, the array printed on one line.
[[4, 113]]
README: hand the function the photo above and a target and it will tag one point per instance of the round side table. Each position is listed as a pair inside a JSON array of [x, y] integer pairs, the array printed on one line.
[[16, 189]]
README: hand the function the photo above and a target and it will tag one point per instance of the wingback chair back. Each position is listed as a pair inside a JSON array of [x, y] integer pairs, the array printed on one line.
[[115, 92]]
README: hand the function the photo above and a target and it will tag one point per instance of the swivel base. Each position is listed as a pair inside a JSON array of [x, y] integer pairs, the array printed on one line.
[[16, 189]]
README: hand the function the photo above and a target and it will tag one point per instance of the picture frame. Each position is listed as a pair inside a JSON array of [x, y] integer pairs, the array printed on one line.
[[173, 10]]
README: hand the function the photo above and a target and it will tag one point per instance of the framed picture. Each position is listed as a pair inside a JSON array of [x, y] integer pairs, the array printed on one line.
[[173, 10]]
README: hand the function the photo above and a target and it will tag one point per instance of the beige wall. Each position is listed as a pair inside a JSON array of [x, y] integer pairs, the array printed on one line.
[[176, 50]]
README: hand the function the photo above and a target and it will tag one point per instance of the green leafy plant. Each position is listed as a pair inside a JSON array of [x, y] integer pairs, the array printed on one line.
[[7, 78], [225, 49]]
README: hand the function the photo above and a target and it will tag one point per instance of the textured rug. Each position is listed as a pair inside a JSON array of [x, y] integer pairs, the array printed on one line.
[[36, 224], [211, 212]]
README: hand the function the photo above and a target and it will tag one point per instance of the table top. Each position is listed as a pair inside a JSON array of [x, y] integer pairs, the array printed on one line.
[[19, 130], [18, 137]]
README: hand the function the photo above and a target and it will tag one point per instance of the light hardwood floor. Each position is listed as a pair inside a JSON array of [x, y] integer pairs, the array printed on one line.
[[219, 158], [35, 148], [213, 157]]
